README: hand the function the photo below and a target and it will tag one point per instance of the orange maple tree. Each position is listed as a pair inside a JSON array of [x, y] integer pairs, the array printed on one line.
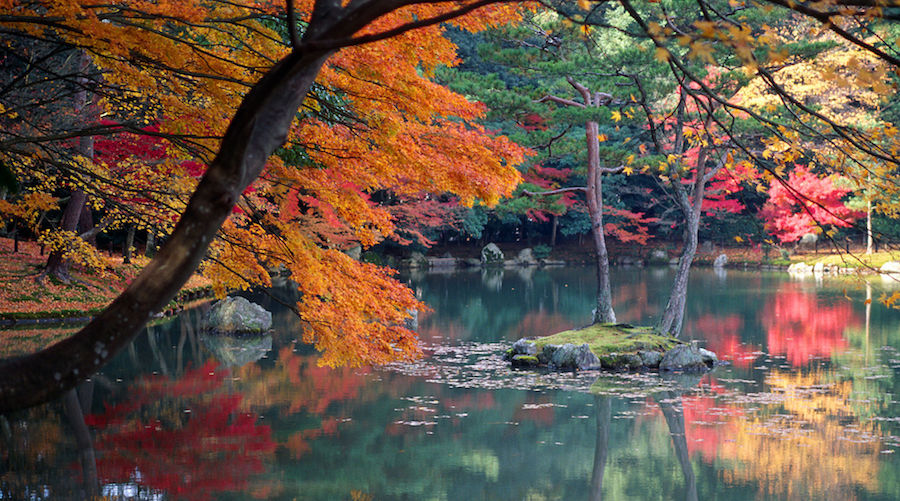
[[372, 120]]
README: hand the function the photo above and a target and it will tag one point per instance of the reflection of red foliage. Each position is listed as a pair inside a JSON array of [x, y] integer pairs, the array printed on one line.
[[722, 334], [177, 438], [708, 425], [801, 326]]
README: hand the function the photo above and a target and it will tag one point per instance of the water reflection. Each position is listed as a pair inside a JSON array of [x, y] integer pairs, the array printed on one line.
[[805, 410]]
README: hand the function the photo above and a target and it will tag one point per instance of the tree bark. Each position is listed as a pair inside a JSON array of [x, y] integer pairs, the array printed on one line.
[[129, 243], [604, 312], [57, 266]]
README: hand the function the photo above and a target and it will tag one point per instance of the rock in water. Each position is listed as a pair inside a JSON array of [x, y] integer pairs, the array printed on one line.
[[238, 315], [685, 358]]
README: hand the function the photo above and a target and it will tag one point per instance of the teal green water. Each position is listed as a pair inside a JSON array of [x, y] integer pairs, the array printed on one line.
[[804, 409]]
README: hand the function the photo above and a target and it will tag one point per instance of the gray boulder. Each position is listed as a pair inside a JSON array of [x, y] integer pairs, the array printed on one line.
[[525, 361], [650, 359], [491, 255], [564, 356], [238, 315], [684, 358], [709, 357], [585, 358], [354, 252], [524, 347], [720, 261]]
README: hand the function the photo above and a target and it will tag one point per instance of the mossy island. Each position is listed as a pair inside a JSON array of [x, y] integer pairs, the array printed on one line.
[[616, 347]]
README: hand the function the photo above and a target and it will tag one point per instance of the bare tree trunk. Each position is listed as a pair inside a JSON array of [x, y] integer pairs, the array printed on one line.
[[604, 312], [554, 226], [150, 248], [129, 243], [57, 266], [869, 237], [672, 319]]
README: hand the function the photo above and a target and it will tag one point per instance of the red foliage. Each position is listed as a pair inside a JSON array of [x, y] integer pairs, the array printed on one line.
[[808, 204]]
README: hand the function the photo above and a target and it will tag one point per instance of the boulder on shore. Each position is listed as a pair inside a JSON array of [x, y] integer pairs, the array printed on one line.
[[491, 255], [238, 315]]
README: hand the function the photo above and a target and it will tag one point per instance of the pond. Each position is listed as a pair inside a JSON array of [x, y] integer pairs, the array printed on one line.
[[804, 409]]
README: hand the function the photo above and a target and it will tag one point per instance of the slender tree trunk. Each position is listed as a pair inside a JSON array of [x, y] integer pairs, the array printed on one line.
[[869, 237], [150, 248], [554, 226], [57, 266], [672, 318], [601, 447], [129, 243], [604, 312]]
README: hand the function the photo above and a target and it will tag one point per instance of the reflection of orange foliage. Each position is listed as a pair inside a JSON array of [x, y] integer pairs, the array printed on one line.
[[801, 326], [297, 383], [722, 334], [539, 323], [806, 449]]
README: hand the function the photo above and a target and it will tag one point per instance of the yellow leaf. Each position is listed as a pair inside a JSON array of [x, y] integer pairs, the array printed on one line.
[[602, 138], [738, 239], [661, 55], [628, 170], [616, 115]]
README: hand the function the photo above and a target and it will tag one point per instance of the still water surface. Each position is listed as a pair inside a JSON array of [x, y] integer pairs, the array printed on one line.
[[805, 409]]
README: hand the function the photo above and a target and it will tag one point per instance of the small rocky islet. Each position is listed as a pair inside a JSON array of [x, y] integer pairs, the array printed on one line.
[[616, 347]]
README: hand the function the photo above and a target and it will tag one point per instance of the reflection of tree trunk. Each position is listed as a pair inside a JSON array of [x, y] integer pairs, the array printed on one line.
[[675, 420], [553, 228], [85, 444], [179, 353], [154, 348], [602, 404]]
